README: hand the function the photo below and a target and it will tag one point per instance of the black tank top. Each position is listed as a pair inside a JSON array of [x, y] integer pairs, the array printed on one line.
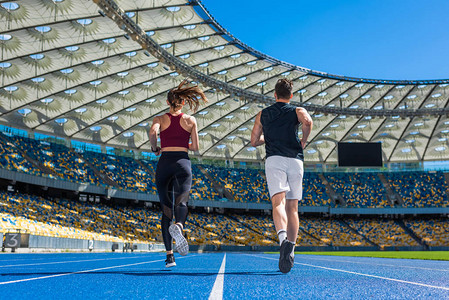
[[280, 129]]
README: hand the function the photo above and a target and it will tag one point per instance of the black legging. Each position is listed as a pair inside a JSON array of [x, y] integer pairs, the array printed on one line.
[[173, 182]]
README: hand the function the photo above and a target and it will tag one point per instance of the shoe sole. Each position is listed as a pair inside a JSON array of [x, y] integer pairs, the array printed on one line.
[[285, 260], [173, 264], [181, 243]]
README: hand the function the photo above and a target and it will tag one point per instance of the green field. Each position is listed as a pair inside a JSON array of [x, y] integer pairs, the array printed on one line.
[[432, 255]]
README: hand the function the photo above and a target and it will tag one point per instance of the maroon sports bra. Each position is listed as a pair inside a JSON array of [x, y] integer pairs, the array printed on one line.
[[175, 135]]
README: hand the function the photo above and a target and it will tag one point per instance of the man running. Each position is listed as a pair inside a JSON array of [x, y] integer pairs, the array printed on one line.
[[277, 127]]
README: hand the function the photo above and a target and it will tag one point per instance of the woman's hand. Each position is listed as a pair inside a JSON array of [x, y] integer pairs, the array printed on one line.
[[153, 136], [156, 151]]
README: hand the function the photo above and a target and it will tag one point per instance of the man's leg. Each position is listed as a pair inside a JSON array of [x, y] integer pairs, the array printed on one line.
[[279, 215], [291, 208], [286, 255], [295, 174]]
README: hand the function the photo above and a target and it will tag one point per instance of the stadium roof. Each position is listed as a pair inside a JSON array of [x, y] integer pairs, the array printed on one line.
[[99, 71]]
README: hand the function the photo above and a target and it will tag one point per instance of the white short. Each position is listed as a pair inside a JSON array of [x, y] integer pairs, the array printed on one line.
[[284, 174]]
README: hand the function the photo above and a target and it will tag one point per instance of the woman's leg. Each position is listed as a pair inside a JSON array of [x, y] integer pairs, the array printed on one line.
[[182, 184], [168, 240], [164, 186]]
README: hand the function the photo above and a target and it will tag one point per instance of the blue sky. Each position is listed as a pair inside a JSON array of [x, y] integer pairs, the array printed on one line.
[[382, 39]]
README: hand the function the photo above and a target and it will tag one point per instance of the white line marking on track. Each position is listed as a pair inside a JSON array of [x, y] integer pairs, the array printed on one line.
[[41, 254], [374, 264], [30, 259], [217, 289], [84, 271], [366, 275], [69, 261]]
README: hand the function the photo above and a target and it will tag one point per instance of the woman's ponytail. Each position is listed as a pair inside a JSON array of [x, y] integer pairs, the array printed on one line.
[[192, 95]]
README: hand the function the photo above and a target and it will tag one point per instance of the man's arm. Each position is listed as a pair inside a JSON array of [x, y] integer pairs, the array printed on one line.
[[153, 135], [257, 137], [307, 124]]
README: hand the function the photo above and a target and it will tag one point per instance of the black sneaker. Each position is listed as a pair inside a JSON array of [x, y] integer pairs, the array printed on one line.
[[170, 261], [286, 260]]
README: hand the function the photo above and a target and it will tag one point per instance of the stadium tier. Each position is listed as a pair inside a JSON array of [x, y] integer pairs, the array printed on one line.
[[384, 233], [125, 172], [332, 232], [202, 187], [43, 217], [356, 190], [314, 191], [12, 159], [246, 185], [359, 189], [420, 189], [62, 162], [66, 218], [433, 232]]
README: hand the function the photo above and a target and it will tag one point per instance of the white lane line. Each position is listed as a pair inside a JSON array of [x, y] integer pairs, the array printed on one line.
[[27, 259], [49, 254], [217, 289], [84, 271], [374, 264], [69, 261], [366, 275]]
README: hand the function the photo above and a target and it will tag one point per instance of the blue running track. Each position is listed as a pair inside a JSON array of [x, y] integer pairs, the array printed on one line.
[[198, 276]]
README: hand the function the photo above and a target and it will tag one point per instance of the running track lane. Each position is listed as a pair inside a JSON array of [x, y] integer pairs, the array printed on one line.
[[313, 278], [134, 276], [239, 275]]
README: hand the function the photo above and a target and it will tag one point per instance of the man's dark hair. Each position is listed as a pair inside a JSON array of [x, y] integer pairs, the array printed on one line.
[[283, 88]]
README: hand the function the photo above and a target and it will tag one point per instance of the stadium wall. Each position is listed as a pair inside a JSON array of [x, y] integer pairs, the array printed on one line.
[[47, 243]]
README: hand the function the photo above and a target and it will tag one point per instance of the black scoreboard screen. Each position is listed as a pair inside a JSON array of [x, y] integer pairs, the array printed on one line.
[[360, 154]]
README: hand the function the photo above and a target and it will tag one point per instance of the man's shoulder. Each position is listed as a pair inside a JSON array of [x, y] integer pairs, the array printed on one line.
[[290, 106], [271, 107], [264, 110]]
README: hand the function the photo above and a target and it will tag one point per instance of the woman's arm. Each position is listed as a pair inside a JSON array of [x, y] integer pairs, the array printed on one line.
[[153, 135], [194, 145]]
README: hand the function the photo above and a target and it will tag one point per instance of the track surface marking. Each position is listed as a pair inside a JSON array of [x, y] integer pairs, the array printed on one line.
[[238, 276], [368, 275], [374, 264], [217, 289]]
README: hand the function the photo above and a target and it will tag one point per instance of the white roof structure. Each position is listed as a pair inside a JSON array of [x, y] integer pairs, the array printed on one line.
[[99, 71]]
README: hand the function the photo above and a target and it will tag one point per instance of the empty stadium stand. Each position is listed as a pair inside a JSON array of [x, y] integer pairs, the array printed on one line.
[[88, 220], [46, 158]]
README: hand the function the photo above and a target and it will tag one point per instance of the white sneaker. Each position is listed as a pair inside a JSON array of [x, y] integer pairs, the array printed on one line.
[[181, 243]]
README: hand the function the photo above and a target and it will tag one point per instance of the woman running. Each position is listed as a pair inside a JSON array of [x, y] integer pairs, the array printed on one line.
[[174, 170]]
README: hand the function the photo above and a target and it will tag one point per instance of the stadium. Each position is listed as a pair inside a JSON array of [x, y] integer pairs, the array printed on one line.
[[82, 81]]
